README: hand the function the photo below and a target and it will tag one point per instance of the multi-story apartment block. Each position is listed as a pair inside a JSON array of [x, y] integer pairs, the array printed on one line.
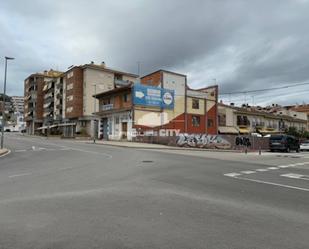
[[162, 100], [18, 103], [34, 99]]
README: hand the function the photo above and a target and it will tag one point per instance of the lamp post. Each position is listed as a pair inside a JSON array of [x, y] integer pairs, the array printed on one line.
[[4, 97]]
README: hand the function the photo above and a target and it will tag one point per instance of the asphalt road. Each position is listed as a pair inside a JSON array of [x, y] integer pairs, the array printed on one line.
[[65, 194]]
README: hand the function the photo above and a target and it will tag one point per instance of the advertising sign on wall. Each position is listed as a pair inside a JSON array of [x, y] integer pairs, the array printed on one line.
[[153, 96]]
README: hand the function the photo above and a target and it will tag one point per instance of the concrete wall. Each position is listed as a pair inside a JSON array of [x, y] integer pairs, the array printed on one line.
[[104, 82]]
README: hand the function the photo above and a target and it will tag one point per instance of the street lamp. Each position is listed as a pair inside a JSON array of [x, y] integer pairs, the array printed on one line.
[[4, 94]]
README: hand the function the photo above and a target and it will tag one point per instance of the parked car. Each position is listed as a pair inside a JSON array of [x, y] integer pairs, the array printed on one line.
[[285, 143], [304, 146]]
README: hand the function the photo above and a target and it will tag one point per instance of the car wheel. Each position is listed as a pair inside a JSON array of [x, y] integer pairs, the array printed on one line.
[[297, 150]]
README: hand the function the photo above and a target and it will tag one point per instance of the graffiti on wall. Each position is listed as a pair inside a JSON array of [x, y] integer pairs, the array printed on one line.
[[242, 141], [202, 141]]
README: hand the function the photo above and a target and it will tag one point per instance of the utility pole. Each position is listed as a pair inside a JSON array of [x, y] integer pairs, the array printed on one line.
[[94, 111], [139, 64], [3, 99]]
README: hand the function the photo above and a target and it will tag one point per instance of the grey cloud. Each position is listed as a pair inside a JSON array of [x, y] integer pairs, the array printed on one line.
[[243, 44]]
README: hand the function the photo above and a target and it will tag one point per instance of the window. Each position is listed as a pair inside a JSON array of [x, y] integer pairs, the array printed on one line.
[[70, 74], [70, 86], [196, 120], [69, 109], [126, 97], [195, 104], [83, 123], [70, 98], [210, 123], [117, 120], [106, 101]]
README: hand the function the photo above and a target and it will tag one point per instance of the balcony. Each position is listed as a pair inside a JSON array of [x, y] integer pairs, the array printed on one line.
[[122, 82], [106, 107]]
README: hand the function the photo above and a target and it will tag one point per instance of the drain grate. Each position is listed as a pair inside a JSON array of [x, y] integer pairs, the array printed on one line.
[[147, 161]]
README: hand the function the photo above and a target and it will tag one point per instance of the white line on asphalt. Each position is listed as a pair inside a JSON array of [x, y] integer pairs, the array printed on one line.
[[20, 150], [272, 183], [291, 165], [25, 174], [296, 176], [247, 172], [232, 174], [33, 147], [283, 166], [272, 168], [261, 170]]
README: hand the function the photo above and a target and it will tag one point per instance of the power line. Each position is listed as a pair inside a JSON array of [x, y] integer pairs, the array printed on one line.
[[266, 89]]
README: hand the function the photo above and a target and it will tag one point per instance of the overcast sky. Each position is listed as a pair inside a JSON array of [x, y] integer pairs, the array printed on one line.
[[242, 44]]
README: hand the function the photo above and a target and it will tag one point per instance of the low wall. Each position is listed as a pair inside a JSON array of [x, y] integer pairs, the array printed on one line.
[[234, 142]]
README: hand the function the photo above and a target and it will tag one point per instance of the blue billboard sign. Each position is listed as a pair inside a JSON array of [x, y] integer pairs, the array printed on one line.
[[153, 96]]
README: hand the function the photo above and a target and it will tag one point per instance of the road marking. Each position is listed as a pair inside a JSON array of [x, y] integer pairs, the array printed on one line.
[[292, 165], [261, 170], [20, 150], [33, 147], [283, 166], [296, 176], [25, 174], [272, 168], [247, 172], [272, 183], [232, 174]]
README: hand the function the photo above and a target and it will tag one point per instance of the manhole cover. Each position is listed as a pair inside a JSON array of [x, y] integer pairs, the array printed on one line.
[[147, 161]]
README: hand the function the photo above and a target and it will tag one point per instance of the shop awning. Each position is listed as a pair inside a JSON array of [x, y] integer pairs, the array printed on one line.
[[244, 130], [228, 129]]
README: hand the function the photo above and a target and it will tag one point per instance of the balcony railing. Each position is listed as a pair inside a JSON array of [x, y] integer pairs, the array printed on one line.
[[107, 107]]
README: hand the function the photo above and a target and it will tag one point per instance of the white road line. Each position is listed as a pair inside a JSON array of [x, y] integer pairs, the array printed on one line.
[[33, 147], [296, 176], [232, 174], [20, 150], [247, 172], [25, 174], [272, 168], [261, 170], [272, 183], [283, 166]]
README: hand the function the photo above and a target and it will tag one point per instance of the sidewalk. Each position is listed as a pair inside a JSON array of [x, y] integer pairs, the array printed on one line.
[[137, 145]]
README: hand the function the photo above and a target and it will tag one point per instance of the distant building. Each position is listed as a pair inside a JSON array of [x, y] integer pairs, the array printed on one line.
[[247, 120], [18, 103]]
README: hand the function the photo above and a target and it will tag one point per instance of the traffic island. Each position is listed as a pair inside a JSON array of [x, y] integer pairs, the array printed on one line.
[[4, 152]]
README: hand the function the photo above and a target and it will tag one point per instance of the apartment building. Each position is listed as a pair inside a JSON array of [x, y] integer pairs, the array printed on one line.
[[247, 120], [18, 103], [80, 83], [161, 100], [34, 99]]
